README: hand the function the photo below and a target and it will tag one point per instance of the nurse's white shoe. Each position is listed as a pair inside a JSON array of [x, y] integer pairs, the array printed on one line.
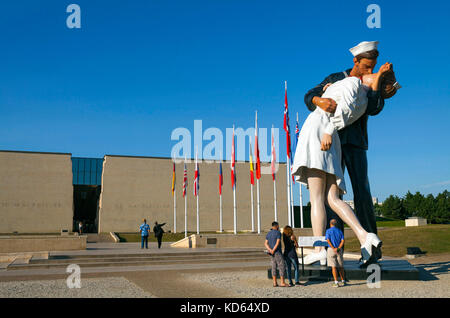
[[371, 248], [315, 257]]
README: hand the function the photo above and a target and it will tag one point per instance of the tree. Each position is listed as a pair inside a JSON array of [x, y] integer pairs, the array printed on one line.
[[393, 207]]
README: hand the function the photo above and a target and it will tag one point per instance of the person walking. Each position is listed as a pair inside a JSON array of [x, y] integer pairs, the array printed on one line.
[[335, 252], [290, 254], [144, 229], [273, 245], [157, 229]]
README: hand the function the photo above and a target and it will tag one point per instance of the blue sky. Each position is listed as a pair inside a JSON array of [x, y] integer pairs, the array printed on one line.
[[136, 70]]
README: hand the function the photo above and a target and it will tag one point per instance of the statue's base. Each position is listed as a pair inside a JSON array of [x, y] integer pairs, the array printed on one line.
[[390, 270]]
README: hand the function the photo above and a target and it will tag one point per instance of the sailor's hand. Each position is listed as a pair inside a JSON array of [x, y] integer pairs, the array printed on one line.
[[326, 86], [327, 104], [327, 140], [386, 67]]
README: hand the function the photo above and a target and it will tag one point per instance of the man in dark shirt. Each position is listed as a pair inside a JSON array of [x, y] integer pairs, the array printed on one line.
[[354, 140], [158, 230]]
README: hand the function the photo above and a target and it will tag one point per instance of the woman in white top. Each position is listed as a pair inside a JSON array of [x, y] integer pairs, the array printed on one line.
[[317, 161]]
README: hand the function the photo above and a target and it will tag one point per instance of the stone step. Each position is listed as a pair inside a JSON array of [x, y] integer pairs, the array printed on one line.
[[143, 257], [149, 253], [141, 263]]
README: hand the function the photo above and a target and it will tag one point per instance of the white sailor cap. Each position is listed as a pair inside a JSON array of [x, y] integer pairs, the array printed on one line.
[[363, 47]]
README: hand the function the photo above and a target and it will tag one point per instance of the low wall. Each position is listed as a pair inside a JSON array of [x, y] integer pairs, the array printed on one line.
[[37, 243], [237, 241]]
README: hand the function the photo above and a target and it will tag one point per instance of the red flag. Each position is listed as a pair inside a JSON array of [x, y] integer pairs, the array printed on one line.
[[286, 122], [184, 180], [196, 178], [258, 162], [173, 179], [233, 172]]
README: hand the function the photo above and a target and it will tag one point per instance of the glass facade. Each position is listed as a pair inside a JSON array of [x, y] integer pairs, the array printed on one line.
[[87, 171]]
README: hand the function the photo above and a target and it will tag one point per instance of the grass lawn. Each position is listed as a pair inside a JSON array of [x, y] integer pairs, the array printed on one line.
[[432, 238], [385, 222]]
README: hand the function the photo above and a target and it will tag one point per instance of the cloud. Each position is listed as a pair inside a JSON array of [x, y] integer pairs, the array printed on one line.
[[437, 184]]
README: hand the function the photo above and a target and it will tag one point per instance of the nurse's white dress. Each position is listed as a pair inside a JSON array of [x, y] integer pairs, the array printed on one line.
[[351, 99]]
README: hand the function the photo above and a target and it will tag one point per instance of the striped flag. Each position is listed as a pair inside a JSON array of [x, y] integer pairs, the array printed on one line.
[[258, 162], [233, 172], [273, 158], [220, 178], [252, 176], [173, 179], [184, 180], [286, 123], [196, 178]]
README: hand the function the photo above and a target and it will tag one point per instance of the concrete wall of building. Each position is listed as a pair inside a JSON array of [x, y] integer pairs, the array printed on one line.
[[134, 188], [36, 192], [35, 243]]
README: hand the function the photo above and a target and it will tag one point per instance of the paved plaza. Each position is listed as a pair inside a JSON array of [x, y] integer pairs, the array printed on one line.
[[216, 277]]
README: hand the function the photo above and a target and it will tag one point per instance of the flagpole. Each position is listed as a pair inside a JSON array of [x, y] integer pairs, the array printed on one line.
[[221, 216], [258, 206], [185, 216], [175, 211], [251, 186], [292, 196], [234, 210], [275, 199], [288, 191], [273, 162], [196, 190], [234, 186], [185, 198], [301, 205]]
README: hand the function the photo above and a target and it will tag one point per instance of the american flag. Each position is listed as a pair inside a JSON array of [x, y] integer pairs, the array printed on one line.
[[286, 123], [233, 172], [184, 180], [196, 178]]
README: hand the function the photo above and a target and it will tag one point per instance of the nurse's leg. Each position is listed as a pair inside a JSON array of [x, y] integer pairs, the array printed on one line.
[[343, 209], [316, 184]]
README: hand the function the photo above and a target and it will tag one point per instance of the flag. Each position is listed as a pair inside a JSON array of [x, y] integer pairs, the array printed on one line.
[[220, 178], [286, 123], [258, 162], [252, 176], [297, 133], [233, 172], [196, 178], [273, 159], [184, 180], [173, 179]]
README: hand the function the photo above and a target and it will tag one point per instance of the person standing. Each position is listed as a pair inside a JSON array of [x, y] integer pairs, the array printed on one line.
[[335, 252], [80, 227], [157, 229], [273, 245], [290, 254], [354, 139], [144, 229]]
